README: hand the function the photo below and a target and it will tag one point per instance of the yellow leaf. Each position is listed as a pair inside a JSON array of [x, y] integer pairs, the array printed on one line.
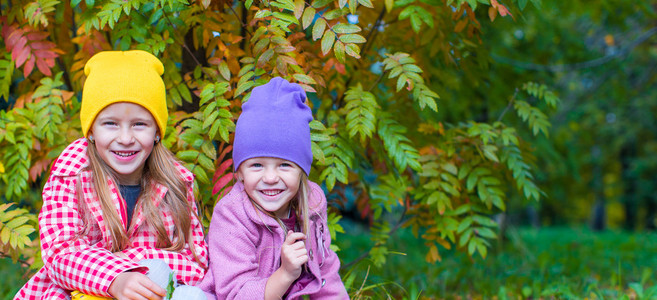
[[4, 235], [2, 167], [298, 8]]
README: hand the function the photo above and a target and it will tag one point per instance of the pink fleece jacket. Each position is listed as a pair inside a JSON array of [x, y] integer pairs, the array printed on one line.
[[245, 249]]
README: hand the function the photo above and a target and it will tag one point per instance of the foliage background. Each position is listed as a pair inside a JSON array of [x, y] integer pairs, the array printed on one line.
[[439, 124]]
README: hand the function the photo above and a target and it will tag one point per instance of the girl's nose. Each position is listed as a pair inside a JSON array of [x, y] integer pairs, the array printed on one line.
[[126, 136], [270, 176]]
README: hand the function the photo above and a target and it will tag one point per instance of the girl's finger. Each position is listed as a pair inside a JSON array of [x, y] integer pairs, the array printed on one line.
[[292, 237], [155, 289]]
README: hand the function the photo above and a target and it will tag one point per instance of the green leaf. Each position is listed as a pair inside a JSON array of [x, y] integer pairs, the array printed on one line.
[[286, 17], [339, 50], [345, 28], [352, 50], [303, 78], [352, 38], [307, 18], [327, 41], [366, 3], [318, 29]]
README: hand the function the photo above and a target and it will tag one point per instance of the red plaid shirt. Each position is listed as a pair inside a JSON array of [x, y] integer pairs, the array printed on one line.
[[84, 263]]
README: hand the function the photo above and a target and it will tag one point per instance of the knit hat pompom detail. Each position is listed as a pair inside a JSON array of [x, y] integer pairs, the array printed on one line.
[[123, 76], [275, 123]]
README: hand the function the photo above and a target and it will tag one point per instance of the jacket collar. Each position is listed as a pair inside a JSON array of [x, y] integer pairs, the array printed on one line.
[[261, 218]]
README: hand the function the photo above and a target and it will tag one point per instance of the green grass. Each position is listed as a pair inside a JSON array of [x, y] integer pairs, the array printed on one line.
[[11, 277], [530, 263]]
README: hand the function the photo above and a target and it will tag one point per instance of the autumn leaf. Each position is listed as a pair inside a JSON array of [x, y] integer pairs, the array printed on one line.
[[500, 8], [29, 48]]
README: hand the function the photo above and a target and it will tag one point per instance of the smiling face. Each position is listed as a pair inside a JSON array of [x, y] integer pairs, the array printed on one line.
[[124, 135], [271, 182]]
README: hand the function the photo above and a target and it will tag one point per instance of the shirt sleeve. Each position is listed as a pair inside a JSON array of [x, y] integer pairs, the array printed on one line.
[[234, 256], [72, 263]]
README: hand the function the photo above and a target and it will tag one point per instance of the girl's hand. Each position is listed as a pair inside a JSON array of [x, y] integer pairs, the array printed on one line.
[[121, 255], [293, 254], [134, 285]]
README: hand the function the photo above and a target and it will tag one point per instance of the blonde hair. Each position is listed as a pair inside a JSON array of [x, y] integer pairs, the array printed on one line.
[[299, 205], [158, 168]]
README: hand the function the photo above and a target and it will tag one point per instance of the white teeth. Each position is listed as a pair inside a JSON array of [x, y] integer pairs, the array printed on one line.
[[271, 193], [125, 154]]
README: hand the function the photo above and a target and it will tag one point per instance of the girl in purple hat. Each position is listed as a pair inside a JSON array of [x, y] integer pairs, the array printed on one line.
[[269, 237]]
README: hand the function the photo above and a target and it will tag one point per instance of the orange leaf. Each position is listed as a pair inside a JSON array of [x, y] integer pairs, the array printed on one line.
[[460, 25], [329, 64], [39, 167], [67, 96], [492, 13], [20, 101], [340, 68]]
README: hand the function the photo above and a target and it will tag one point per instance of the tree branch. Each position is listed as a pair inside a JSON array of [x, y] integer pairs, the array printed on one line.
[[513, 99], [368, 43]]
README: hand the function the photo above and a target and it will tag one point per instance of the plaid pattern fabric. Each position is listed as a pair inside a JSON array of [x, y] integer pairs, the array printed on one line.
[[82, 262]]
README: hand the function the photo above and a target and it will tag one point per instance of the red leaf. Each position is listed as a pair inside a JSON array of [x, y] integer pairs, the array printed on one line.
[[50, 62], [21, 56], [222, 182], [37, 35], [44, 53], [18, 47], [225, 165], [224, 152], [13, 38], [42, 45], [224, 192], [43, 67], [29, 65]]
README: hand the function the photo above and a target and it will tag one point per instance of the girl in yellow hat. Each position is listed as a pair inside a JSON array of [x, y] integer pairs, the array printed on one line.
[[119, 213]]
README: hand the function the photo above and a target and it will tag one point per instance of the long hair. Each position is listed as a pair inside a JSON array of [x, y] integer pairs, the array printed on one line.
[[298, 204], [159, 168]]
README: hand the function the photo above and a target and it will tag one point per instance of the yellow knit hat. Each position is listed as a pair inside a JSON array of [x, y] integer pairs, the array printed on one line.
[[123, 76]]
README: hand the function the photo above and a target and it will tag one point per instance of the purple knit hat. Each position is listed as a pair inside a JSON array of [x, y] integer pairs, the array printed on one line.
[[274, 123]]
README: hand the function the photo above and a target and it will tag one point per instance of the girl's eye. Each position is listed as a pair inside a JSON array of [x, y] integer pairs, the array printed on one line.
[[256, 165], [140, 124], [286, 165], [109, 123]]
